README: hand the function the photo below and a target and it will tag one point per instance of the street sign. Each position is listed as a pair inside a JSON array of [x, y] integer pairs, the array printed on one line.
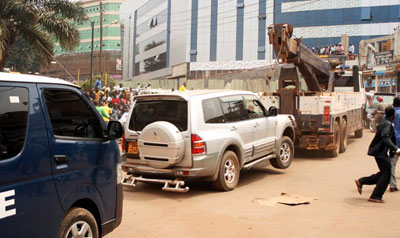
[[382, 58]]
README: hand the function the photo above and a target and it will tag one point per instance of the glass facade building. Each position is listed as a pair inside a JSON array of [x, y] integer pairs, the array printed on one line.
[[219, 31], [111, 27], [165, 33], [322, 22]]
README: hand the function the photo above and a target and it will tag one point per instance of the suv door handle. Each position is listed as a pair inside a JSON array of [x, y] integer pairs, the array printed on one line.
[[60, 159], [234, 128]]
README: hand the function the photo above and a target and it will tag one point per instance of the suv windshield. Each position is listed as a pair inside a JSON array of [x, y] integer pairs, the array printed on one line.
[[147, 112]]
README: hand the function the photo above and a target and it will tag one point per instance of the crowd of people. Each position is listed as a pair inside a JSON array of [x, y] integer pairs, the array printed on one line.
[[333, 49], [111, 103]]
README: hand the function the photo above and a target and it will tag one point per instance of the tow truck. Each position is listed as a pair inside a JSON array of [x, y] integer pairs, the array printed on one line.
[[329, 107]]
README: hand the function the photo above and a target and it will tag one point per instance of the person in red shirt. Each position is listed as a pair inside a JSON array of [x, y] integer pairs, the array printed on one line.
[[115, 100]]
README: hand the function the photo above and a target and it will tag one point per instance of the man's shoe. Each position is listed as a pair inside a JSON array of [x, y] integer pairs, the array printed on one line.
[[359, 186], [395, 189], [376, 200]]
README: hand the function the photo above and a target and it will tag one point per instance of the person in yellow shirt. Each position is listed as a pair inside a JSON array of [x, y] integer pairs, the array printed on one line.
[[101, 111], [98, 94], [107, 110], [183, 87]]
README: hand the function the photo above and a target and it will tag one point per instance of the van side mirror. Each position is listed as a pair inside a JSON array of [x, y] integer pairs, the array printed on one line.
[[114, 130], [272, 111]]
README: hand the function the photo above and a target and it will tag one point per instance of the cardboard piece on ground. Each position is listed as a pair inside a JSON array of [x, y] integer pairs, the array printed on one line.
[[286, 199]]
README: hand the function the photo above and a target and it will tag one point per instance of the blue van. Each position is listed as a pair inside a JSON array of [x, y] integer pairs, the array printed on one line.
[[59, 162]]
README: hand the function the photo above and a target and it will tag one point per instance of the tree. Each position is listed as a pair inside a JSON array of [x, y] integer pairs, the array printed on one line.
[[23, 58], [38, 22]]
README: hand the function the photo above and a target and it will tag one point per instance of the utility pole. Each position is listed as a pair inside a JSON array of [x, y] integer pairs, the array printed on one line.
[[101, 38], [91, 56]]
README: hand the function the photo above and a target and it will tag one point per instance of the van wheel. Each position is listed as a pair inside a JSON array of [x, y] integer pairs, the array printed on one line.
[[286, 154], [229, 171], [359, 133], [78, 223], [343, 136], [336, 141]]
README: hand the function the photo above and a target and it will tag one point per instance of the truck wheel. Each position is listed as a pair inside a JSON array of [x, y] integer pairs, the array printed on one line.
[[78, 222], [359, 133], [229, 171], [343, 137], [286, 154], [336, 141]]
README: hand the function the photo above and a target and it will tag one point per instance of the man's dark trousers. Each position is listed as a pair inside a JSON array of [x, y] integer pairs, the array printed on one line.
[[381, 179]]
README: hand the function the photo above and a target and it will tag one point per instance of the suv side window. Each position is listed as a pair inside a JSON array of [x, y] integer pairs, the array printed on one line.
[[253, 107], [70, 116], [212, 111], [233, 108], [13, 120]]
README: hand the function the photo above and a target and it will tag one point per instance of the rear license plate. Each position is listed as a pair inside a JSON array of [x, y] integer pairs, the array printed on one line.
[[132, 147]]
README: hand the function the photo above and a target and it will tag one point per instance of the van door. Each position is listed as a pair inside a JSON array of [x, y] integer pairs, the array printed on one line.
[[84, 163], [262, 126], [29, 204]]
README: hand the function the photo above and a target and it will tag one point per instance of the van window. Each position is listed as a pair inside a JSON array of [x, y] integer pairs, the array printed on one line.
[[212, 111], [70, 116], [13, 120], [147, 112], [233, 108]]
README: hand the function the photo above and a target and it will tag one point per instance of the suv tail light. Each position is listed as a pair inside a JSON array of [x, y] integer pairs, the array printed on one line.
[[198, 145], [327, 114], [123, 142]]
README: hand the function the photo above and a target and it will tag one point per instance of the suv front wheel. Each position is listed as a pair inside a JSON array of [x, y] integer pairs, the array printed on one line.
[[286, 154], [229, 171]]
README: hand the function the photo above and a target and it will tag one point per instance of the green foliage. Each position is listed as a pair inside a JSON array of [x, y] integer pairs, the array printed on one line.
[[37, 21], [153, 44], [23, 58], [110, 81]]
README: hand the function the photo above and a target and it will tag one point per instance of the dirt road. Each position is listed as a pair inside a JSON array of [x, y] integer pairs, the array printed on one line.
[[202, 212]]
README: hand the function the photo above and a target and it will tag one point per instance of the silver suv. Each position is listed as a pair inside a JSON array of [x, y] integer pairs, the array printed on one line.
[[204, 134]]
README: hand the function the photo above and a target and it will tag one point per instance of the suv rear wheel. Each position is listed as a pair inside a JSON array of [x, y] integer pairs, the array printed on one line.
[[229, 171], [79, 223], [286, 154]]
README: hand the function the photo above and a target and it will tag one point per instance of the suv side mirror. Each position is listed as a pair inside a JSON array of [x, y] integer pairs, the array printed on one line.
[[114, 130], [272, 111]]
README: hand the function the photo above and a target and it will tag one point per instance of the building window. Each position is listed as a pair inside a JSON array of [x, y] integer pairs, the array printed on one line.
[[366, 13], [151, 64], [148, 6], [262, 17], [240, 5], [151, 23], [151, 42]]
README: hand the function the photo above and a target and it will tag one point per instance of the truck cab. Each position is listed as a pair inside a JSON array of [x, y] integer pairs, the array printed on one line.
[[59, 161]]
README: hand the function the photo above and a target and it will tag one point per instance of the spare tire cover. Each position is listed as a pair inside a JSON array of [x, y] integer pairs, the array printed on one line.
[[161, 145]]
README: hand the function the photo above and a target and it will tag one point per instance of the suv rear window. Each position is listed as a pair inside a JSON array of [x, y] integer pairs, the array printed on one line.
[[147, 112], [13, 120]]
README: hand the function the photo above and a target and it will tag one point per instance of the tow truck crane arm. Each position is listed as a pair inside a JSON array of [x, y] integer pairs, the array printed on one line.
[[314, 70]]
